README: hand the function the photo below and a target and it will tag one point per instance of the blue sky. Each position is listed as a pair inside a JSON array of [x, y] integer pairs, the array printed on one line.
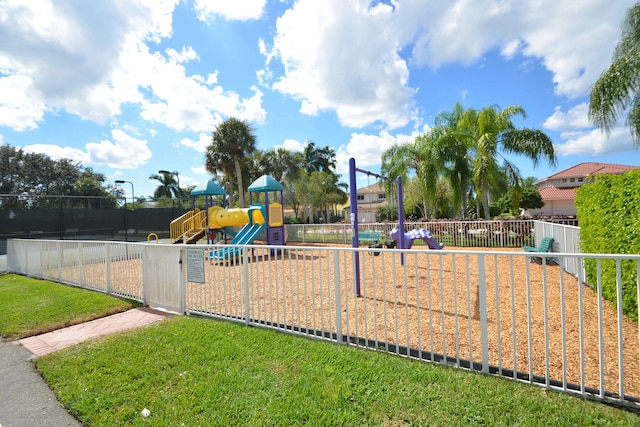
[[131, 87]]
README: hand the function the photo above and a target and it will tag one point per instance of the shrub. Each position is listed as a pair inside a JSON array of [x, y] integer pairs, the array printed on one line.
[[609, 213]]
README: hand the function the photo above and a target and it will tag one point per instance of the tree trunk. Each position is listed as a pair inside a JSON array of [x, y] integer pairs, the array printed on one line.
[[243, 203], [485, 204], [465, 198]]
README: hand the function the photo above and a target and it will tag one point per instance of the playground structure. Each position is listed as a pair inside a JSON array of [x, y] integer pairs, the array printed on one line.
[[216, 219], [412, 235]]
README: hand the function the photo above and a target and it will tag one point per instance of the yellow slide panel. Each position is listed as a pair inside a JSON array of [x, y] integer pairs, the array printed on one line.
[[257, 217], [220, 217]]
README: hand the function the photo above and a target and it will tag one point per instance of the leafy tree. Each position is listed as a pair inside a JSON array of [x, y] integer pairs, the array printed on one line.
[[279, 163], [618, 87], [318, 159], [232, 141], [89, 186], [33, 176], [490, 131], [531, 199], [168, 187], [455, 152], [387, 212], [420, 158]]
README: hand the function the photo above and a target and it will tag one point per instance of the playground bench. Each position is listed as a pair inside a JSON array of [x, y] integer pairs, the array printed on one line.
[[369, 237], [546, 245]]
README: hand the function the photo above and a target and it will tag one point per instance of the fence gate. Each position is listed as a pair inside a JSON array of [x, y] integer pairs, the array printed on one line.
[[163, 277]]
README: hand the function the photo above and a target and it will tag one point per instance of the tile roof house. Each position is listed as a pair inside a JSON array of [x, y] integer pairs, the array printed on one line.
[[558, 191]]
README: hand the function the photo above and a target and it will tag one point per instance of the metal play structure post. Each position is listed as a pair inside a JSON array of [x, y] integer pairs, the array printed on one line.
[[353, 195]]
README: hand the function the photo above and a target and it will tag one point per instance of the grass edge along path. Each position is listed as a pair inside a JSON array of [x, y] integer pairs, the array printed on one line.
[[31, 306], [194, 371]]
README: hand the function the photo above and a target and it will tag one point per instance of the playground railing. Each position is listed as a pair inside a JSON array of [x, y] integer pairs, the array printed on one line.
[[486, 310], [186, 224]]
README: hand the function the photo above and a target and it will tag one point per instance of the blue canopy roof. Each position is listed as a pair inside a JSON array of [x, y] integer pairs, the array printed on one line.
[[209, 189], [265, 183]]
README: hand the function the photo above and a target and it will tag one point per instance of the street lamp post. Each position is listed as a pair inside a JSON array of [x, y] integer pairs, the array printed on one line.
[[133, 197], [166, 172]]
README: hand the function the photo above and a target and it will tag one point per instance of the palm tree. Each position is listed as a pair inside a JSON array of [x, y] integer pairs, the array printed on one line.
[[490, 130], [279, 163], [421, 157], [167, 188], [318, 159], [618, 87], [231, 142], [454, 150]]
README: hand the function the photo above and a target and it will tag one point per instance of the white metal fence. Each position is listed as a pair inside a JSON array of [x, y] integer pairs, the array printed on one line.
[[491, 311]]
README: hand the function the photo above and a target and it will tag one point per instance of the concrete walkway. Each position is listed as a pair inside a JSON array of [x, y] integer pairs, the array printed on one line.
[[25, 399], [56, 340]]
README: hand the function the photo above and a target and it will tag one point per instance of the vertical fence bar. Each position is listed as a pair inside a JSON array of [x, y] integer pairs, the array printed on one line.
[[546, 321], [638, 301], [620, 333], [482, 302], [469, 313], [245, 268], [455, 308], [563, 324], [581, 328], [529, 325], [496, 268], [600, 326], [338, 308], [513, 320], [107, 260], [59, 257]]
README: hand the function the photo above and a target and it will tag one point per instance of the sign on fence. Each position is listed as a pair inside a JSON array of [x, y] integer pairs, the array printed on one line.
[[195, 265]]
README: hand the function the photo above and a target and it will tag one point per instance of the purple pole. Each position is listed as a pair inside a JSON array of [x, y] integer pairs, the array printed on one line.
[[353, 195]]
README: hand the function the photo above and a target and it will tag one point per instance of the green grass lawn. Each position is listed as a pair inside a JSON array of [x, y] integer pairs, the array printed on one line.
[[31, 306], [200, 372]]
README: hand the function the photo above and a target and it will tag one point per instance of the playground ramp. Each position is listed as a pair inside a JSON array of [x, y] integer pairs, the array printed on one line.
[[246, 236]]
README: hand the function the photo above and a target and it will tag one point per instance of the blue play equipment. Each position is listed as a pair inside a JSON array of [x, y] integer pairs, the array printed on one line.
[[268, 216]]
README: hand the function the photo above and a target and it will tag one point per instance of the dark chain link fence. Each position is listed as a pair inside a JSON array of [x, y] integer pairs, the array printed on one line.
[[68, 218]]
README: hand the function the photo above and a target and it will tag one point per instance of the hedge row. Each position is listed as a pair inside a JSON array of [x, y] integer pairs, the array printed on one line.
[[609, 212]]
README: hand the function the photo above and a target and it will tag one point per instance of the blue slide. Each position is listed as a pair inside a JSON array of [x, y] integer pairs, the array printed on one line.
[[246, 236]]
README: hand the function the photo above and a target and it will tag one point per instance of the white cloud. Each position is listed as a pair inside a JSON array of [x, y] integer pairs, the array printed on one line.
[[367, 149], [69, 55], [351, 57], [89, 61], [576, 118], [342, 56], [574, 40], [579, 137], [200, 170], [292, 145], [200, 145], [232, 10], [20, 107], [185, 55], [596, 143], [57, 152], [123, 151]]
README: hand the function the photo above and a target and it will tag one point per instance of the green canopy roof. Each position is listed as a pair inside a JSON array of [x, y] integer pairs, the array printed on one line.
[[265, 183], [209, 189]]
